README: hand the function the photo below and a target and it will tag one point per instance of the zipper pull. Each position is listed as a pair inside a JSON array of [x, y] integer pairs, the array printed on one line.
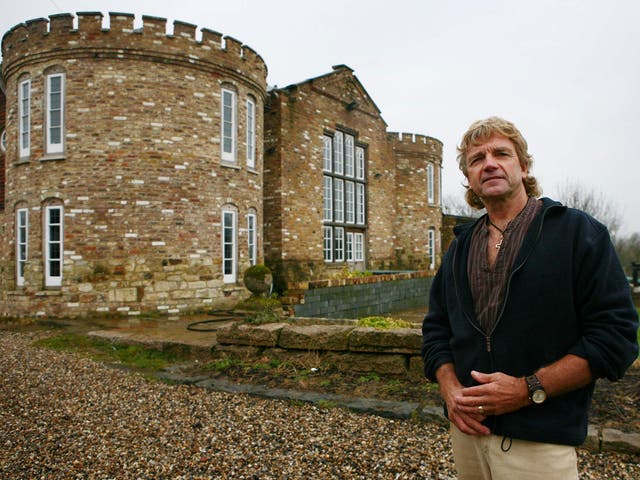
[[488, 343]]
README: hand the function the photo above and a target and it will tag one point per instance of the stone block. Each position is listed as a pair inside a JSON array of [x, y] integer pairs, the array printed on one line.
[[255, 335], [617, 441], [315, 337], [416, 368], [401, 340], [592, 442], [383, 364]]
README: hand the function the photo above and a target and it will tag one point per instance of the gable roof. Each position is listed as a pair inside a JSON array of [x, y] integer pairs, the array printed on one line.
[[358, 95]]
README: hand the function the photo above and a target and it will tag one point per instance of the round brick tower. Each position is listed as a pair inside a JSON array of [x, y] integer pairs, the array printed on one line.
[[133, 167]]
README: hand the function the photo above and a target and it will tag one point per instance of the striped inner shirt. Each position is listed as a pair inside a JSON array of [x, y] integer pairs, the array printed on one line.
[[488, 285]]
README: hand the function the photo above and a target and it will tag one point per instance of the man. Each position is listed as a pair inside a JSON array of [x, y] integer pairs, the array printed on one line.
[[528, 309]]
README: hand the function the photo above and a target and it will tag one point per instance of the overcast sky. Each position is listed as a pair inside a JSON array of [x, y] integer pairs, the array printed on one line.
[[567, 72]]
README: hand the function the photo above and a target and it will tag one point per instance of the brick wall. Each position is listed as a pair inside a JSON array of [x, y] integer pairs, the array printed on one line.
[[141, 178], [398, 214]]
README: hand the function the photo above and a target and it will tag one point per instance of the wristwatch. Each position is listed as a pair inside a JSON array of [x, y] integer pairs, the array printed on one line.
[[536, 392]]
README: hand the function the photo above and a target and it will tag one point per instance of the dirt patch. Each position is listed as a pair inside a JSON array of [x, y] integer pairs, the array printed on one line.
[[615, 404]]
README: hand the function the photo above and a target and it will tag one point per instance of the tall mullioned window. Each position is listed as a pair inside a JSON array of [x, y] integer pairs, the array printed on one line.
[[53, 245], [229, 245], [252, 237], [22, 241], [251, 133], [431, 247], [55, 113], [24, 113], [344, 198], [229, 125], [431, 193]]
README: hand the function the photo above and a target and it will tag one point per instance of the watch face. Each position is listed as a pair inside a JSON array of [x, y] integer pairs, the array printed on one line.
[[539, 396]]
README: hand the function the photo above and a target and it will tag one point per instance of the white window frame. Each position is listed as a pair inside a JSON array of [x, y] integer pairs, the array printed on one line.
[[431, 247], [327, 199], [3, 141], [360, 204], [22, 243], [51, 145], [51, 279], [360, 163], [338, 200], [430, 184], [349, 156], [350, 201], [338, 240], [338, 153], [348, 247], [252, 237], [229, 245], [327, 150], [251, 133], [228, 118], [358, 247], [327, 243], [440, 185], [24, 119]]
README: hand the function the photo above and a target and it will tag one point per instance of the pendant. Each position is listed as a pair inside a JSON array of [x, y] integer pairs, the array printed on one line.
[[499, 244]]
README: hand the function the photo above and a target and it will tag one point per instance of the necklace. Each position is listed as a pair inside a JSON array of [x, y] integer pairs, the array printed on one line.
[[499, 244]]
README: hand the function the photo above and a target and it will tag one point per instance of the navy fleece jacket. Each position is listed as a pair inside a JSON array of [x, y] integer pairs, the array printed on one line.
[[567, 294]]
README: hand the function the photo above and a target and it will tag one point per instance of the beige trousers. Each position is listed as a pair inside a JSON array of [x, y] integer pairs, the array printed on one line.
[[485, 458]]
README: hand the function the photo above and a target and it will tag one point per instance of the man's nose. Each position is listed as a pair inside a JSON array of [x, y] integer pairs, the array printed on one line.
[[490, 162]]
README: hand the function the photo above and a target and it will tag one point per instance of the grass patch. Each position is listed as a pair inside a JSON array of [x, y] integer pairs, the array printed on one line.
[[369, 377], [384, 323], [133, 356]]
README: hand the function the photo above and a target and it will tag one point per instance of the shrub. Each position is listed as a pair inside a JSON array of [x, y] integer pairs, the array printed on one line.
[[258, 279]]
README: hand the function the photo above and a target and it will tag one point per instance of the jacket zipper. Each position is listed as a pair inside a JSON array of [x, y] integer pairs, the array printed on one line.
[[506, 294]]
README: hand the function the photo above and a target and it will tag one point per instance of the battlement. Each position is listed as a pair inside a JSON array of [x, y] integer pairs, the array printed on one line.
[[41, 39], [415, 143]]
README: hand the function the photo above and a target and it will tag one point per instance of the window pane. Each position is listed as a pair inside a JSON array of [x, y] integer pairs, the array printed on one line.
[[54, 250], [54, 268], [338, 153], [54, 215], [348, 156], [339, 244], [350, 201], [360, 163], [326, 153], [338, 199], [327, 243], [327, 208]]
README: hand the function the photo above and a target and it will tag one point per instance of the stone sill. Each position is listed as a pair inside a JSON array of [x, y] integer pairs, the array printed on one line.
[[40, 293]]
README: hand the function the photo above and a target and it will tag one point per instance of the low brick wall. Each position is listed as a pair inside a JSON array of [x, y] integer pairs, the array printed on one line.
[[359, 297], [345, 347]]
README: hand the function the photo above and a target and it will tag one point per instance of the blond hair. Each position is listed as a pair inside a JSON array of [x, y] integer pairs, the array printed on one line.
[[479, 132]]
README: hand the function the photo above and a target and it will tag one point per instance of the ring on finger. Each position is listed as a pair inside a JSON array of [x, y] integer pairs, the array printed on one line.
[[480, 409]]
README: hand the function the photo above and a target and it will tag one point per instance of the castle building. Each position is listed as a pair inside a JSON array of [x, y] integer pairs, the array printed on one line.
[[144, 172]]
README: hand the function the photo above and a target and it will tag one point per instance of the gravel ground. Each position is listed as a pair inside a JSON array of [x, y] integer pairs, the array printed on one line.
[[67, 417]]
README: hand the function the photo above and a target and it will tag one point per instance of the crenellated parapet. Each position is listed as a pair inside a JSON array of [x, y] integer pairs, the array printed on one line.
[[412, 144], [41, 40]]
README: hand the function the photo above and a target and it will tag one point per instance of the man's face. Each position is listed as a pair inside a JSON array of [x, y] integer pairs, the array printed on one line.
[[494, 170]]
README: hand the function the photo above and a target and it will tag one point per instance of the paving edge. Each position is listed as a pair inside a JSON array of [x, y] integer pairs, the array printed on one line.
[[598, 439]]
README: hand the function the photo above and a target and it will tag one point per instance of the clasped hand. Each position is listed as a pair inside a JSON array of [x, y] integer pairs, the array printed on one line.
[[496, 394]]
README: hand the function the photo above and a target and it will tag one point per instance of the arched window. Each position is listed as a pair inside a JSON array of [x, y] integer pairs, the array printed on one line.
[[22, 242], [252, 236], [229, 123], [229, 243], [53, 244], [251, 132], [24, 118], [54, 110]]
